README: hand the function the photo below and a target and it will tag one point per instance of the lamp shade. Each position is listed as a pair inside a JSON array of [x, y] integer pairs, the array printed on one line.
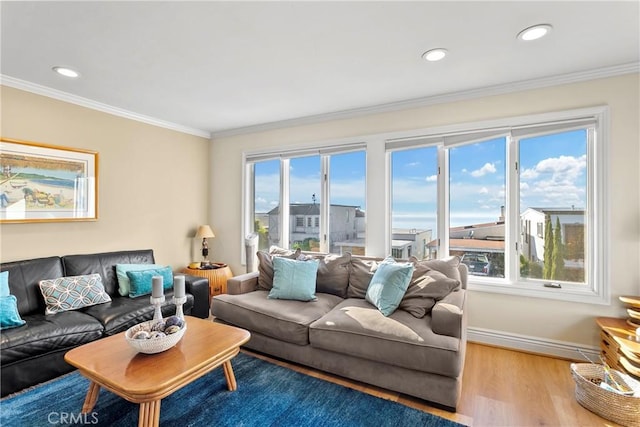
[[204, 232]]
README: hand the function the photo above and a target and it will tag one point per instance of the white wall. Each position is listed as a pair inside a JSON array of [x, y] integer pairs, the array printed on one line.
[[532, 317]]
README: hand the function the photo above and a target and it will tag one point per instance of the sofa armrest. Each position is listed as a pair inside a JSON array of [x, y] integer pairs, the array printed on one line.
[[199, 288], [243, 283], [448, 316]]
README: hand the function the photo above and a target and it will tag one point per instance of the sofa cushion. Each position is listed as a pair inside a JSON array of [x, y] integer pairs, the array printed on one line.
[[44, 334], [333, 274], [105, 264], [122, 313], [426, 287], [361, 272], [286, 320], [9, 316], [388, 285], [294, 280], [140, 281], [24, 277], [448, 266], [265, 265], [356, 328], [124, 284], [72, 293]]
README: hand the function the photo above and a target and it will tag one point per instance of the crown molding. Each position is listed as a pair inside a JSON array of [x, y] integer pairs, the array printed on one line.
[[337, 115], [439, 99], [94, 105]]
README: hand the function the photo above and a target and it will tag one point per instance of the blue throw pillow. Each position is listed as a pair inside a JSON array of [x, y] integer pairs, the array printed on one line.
[[388, 285], [4, 284], [124, 285], [295, 280], [141, 280], [9, 316]]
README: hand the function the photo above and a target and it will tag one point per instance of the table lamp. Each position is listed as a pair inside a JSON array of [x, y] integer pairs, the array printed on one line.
[[205, 232]]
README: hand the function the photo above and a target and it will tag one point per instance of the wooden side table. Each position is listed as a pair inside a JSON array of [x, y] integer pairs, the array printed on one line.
[[619, 345], [217, 277]]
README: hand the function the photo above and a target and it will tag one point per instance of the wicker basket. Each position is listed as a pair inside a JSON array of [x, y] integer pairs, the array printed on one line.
[[613, 406], [155, 345]]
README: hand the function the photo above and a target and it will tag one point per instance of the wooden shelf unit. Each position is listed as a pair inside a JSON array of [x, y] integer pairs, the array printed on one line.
[[619, 345]]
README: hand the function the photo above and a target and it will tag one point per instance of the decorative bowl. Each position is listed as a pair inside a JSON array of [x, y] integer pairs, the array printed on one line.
[[156, 344]]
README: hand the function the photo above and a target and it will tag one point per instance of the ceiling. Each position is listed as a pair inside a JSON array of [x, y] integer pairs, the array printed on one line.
[[227, 67]]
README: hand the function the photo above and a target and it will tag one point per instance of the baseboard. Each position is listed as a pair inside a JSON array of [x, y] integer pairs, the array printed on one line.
[[547, 347]]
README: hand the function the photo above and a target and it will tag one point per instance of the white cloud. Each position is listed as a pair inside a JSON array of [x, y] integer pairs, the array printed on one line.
[[484, 190], [556, 181], [432, 178], [487, 168], [413, 164]]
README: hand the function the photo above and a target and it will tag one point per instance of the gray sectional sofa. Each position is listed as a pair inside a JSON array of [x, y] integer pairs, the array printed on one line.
[[342, 333]]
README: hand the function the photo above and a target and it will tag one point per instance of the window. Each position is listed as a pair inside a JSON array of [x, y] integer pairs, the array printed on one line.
[[477, 172], [520, 201], [553, 191], [304, 188], [414, 200], [326, 186], [347, 192], [265, 202]]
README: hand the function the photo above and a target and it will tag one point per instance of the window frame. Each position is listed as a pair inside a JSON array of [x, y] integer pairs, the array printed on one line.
[[378, 227], [596, 288], [324, 151]]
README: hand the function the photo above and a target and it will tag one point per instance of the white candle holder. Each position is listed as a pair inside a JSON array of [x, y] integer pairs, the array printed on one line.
[[179, 302], [157, 302]]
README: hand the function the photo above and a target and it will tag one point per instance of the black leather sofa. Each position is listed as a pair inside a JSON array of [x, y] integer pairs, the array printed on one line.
[[34, 352]]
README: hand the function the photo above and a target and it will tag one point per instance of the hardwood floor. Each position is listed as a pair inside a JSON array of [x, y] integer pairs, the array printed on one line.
[[500, 388]]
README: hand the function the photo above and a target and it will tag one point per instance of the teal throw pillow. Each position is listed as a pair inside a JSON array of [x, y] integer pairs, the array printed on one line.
[[141, 280], [124, 285], [71, 293], [388, 285], [294, 280], [9, 316], [4, 284]]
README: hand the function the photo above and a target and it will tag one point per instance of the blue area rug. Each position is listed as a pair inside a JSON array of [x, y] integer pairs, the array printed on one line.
[[267, 395]]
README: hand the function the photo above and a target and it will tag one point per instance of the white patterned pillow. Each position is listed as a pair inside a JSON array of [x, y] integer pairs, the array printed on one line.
[[71, 293]]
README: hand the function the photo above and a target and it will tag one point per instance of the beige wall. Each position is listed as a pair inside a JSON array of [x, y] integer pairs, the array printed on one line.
[[533, 317], [152, 183]]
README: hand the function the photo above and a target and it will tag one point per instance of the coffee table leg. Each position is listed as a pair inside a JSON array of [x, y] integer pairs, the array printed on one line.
[[149, 414], [91, 398], [228, 374]]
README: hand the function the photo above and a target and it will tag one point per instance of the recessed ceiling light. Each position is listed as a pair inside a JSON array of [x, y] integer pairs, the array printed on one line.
[[66, 71], [535, 32], [435, 54]]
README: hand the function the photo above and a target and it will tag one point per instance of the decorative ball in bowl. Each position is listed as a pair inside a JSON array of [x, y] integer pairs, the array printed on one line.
[[156, 336]]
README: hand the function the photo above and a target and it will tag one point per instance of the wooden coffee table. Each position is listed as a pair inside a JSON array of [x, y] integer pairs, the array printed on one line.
[[147, 378]]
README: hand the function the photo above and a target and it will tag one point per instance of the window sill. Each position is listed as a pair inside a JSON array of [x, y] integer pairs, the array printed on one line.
[[537, 290]]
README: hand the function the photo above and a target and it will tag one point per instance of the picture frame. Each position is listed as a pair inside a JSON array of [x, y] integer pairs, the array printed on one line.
[[47, 183]]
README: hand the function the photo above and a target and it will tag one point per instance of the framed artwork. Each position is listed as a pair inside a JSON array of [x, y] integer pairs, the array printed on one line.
[[46, 183]]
